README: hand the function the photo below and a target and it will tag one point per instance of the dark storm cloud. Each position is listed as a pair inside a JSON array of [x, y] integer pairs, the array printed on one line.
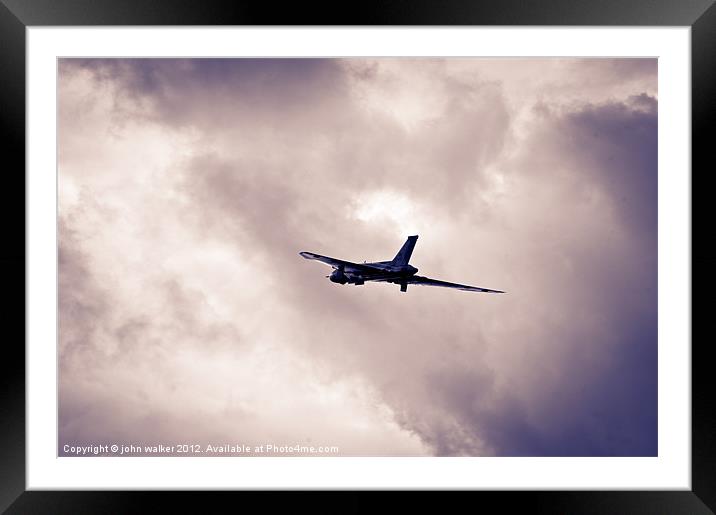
[[257, 160], [619, 141], [220, 89], [304, 106], [606, 400]]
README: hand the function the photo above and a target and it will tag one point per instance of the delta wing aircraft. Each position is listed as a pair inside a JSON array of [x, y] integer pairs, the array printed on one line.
[[396, 271]]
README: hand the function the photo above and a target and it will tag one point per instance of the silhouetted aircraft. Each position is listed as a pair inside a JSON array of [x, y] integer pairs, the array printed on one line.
[[397, 271]]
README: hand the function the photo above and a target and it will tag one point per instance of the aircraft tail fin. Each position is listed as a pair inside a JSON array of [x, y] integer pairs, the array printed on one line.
[[403, 255]]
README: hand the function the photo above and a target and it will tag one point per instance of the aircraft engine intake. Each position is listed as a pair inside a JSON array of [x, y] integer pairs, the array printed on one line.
[[338, 277]]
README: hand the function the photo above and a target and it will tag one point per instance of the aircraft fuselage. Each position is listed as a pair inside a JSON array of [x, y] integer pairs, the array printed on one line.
[[383, 270]]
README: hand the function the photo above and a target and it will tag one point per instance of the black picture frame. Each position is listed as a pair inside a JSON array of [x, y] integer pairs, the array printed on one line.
[[16, 15]]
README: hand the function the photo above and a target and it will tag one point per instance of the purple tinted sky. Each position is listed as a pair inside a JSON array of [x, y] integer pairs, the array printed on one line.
[[188, 187]]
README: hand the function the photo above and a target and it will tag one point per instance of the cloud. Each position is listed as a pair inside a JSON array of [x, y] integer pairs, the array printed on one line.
[[188, 187]]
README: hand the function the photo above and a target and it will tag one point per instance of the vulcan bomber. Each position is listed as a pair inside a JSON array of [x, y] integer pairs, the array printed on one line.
[[396, 271]]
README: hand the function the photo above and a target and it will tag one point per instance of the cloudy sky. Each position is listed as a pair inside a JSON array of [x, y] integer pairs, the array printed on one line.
[[188, 187]]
